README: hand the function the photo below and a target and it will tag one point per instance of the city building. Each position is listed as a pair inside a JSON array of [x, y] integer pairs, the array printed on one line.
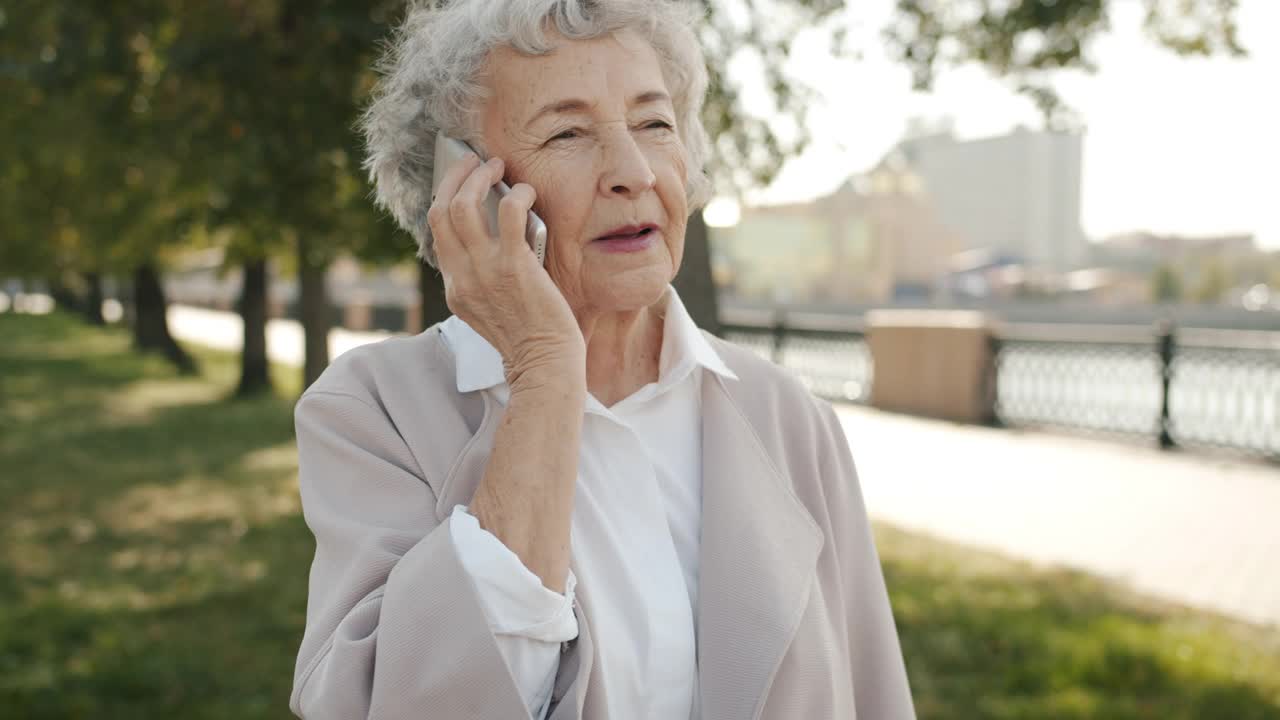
[[1206, 268], [1147, 251], [1016, 194], [875, 238], [891, 233]]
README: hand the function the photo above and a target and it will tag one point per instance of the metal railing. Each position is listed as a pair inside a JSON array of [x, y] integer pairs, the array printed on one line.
[[1180, 387], [1107, 378], [828, 353]]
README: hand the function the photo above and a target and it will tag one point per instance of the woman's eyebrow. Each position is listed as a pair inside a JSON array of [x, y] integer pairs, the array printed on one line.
[[560, 107], [650, 96], [578, 105]]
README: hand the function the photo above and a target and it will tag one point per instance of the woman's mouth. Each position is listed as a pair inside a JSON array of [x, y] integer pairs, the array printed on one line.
[[628, 239]]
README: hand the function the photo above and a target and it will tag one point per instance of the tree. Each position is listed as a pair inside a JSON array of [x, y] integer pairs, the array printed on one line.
[[1026, 41], [88, 180], [279, 83], [1213, 283], [748, 150], [1166, 284]]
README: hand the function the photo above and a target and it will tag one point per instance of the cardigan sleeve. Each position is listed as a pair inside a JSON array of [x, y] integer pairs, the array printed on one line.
[[879, 676], [395, 625]]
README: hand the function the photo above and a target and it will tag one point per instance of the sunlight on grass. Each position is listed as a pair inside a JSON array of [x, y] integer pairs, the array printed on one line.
[[279, 458], [158, 508], [139, 401], [152, 558], [990, 637]]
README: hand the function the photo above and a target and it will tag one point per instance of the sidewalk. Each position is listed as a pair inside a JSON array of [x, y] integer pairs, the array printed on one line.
[[224, 331], [1195, 530]]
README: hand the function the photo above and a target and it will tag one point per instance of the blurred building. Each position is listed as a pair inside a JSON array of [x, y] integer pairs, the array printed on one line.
[[1145, 251], [1016, 194], [1107, 286], [1207, 268], [873, 239], [986, 273], [891, 233]]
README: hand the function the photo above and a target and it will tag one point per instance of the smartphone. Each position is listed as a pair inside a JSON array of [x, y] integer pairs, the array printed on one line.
[[449, 152]]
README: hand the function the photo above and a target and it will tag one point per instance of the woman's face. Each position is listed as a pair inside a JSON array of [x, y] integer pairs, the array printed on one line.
[[591, 127]]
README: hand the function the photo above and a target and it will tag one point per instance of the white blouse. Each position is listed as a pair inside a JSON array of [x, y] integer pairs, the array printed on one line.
[[634, 536]]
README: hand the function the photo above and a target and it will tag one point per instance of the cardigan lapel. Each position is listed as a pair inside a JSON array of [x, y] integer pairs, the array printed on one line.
[[759, 552]]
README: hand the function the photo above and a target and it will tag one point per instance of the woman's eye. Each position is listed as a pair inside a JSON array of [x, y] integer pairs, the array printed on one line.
[[658, 124], [566, 135]]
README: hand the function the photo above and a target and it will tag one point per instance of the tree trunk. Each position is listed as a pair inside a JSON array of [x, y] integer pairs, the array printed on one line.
[[431, 291], [63, 297], [694, 283], [93, 299], [150, 319], [254, 376], [313, 311]]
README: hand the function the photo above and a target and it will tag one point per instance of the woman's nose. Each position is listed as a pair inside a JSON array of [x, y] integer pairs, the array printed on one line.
[[626, 170]]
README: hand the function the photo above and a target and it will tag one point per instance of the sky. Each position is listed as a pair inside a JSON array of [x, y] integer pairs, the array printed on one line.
[[1177, 145]]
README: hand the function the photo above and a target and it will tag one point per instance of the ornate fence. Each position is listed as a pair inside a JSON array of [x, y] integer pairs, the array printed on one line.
[[1180, 387], [828, 353]]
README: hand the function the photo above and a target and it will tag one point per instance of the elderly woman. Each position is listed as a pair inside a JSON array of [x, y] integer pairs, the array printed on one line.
[[566, 501]]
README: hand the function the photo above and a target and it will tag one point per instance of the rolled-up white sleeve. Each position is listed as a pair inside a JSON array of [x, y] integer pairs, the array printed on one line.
[[528, 620]]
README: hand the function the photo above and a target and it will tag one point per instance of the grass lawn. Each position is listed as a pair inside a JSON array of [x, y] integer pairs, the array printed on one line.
[[153, 564]]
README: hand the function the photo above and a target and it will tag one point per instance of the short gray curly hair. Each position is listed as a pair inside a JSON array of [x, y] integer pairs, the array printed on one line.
[[430, 83]]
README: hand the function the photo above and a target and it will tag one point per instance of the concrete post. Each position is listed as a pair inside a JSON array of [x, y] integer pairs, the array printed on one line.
[[935, 363], [413, 315], [358, 312]]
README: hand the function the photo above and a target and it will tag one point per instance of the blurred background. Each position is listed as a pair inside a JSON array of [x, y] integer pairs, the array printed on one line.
[[1026, 247]]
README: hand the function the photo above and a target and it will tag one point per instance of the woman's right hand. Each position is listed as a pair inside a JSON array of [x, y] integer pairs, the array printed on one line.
[[495, 284]]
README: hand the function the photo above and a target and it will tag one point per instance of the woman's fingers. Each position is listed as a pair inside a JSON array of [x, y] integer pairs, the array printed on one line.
[[445, 236], [466, 211], [513, 217]]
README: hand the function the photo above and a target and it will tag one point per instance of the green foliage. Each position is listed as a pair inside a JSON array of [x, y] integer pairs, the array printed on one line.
[[1213, 283], [145, 121], [271, 90], [1025, 41], [750, 150], [89, 175]]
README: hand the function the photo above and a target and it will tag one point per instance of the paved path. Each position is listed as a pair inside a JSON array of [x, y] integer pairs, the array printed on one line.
[[224, 331], [1192, 529]]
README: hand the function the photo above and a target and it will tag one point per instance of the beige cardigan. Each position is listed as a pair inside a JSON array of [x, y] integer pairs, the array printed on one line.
[[793, 618]]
